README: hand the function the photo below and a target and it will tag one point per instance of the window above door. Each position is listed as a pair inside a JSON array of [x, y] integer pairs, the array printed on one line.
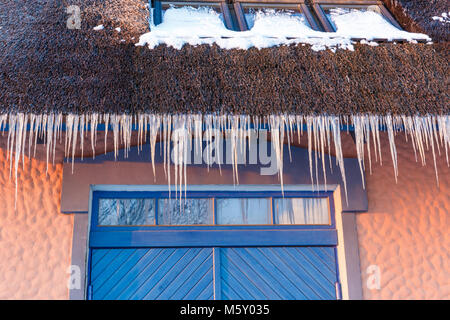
[[215, 208], [318, 15]]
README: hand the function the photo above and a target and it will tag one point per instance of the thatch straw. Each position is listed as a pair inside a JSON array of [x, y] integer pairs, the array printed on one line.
[[46, 67]]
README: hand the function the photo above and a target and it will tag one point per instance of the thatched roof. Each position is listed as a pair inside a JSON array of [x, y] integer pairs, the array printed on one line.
[[416, 16], [47, 67]]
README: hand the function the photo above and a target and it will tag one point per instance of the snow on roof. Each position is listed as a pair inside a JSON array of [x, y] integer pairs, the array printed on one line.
[[203, 25], [443, 18], [367, 24], [98, 28]]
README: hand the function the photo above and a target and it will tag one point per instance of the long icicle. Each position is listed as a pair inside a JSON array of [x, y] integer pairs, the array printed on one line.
[[427, 133]]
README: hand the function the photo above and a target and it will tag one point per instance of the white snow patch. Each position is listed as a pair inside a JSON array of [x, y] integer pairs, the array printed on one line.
[[369, 25], [203, 25], [443, 18], [371, 43], [118, 29], [98, 28]]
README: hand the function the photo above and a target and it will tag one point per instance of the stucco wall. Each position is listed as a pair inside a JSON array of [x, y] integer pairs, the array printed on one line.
[[406, 232], [35, 239]]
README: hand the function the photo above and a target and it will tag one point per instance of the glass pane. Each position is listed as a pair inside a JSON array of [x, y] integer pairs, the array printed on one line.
[[301, 211], [185, 211], [360, 20], [189, 21], [274, 22], [126, 212], [243, 211]]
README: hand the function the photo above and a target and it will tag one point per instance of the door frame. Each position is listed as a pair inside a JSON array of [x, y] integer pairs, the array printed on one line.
[[332, 191]]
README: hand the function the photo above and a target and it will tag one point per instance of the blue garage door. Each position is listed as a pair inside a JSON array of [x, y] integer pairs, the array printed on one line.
[[252, 245]]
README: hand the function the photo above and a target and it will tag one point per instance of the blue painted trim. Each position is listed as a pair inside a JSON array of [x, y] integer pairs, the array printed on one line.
[[338, 276], [217, 275], [135, 127], [201, 194], [211, 238], [210, 235], [215, 237], [157, 12], [88, 295]]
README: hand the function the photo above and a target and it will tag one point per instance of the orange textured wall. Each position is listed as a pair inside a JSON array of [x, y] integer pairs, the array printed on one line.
[[406, 232], [35, 239]]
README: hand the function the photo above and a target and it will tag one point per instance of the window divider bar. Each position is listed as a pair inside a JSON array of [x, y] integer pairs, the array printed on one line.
[[309, 17], [240, 16], [157, 13], [322, 18], [156, 211], [227, 16], [348, 2], [214, 211], [385, 12], [272, 210]]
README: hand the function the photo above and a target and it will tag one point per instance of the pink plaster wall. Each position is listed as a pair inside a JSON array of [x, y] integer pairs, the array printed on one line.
[[35, 239], [406, 232]]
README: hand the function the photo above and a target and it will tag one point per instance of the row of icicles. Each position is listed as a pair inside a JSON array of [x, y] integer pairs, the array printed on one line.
[[425, 132]]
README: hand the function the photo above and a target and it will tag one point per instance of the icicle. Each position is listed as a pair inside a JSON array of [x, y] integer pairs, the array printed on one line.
[[140, 122], [127, 130], [19, 134], [69, 128], [289, 137], [49, 134], [432, 131], [43, 133], [24, 139], [316, 137], [390, 130], [167, 123], [106, 121], [374, 125], [309, 123], [10, 144], [82, 129], [299, 123], [56, 132], [208, 130], [420, 135], [94, 124], [37, 132], [233, 122], [328, 135], [321, 125], [145, 127], [218, 139], [444, 133], [359, 140], [74, 138], [198, 132], [155, 122], [276, 124], [31, 133], [335, 127], [426, 132], [367, 140], [115, 124]]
